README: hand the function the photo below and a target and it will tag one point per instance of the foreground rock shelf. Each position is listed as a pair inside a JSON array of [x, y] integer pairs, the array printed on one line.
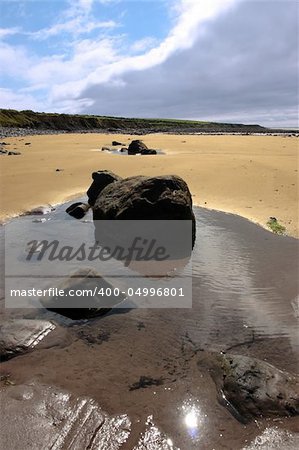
[[44, 417]]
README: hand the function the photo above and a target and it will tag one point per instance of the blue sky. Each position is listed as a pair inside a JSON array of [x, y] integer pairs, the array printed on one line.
[[222, 60]]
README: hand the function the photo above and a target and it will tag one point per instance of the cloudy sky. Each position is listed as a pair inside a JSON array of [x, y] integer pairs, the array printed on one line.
[[220, 60]]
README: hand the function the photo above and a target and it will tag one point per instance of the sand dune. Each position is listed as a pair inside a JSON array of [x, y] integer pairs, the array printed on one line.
[[254, 176]]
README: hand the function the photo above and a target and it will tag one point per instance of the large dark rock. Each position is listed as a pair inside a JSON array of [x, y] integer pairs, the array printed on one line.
[[146, 198], [251, 388], [136, 146], [101, 179]]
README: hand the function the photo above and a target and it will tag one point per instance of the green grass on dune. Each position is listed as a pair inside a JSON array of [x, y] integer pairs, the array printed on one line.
[[69, 122]]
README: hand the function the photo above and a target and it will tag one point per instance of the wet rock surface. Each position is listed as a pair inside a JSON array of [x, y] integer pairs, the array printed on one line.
[[153, 439], [273, 438], [250, 388], [44, 417], [21, 335]]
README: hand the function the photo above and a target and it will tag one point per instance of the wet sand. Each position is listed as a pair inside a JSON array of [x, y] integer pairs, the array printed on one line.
[[253, 176], [244, 301]]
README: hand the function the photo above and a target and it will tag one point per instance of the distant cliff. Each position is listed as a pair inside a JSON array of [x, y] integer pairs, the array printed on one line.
[[52, 122]]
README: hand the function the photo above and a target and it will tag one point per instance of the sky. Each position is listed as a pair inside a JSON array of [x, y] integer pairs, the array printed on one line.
[[215, 60]]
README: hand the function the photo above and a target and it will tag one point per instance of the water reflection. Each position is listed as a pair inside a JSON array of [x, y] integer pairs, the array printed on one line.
[[193, 418]]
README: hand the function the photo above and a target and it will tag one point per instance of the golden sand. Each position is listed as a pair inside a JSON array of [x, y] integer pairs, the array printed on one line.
[[253, 176]]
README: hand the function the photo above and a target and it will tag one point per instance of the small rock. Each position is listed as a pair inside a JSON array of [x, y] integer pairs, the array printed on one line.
[[116, 143], [78, 210], [13, 153]]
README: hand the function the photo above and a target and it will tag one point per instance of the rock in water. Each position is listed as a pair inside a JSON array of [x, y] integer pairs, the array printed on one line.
[[252, 388], [73, 306], [78, 210], [146, 198], [136, 147], [101, 179]]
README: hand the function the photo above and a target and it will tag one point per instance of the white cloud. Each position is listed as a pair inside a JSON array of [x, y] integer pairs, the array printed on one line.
[[15, 100], [143, 44], [9, 31], [75, 26], [103, 60], [191, 15]]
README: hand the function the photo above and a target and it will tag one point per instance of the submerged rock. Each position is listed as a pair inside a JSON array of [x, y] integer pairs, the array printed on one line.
[[101, 179], [20, 336], [252, 388], [80, 307]]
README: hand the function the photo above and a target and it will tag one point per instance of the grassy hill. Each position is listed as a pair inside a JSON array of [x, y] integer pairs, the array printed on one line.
[[77, 122]]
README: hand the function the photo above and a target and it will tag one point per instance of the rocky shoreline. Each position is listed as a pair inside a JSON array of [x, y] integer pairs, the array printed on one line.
[[7, 132]]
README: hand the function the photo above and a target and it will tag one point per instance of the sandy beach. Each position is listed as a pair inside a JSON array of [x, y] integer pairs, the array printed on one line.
[[252, 176]]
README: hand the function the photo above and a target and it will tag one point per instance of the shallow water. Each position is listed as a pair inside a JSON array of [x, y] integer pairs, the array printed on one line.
[[244, 300]]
